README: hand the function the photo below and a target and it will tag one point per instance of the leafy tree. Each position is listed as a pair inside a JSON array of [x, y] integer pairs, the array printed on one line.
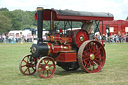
[[5, 23], [25, 18], [4, 9], [127, 18], [16, 25]]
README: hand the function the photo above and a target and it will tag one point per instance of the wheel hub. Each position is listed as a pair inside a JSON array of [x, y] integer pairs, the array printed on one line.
[[81, 38], [92, 56], [29, 65], [47, 68]]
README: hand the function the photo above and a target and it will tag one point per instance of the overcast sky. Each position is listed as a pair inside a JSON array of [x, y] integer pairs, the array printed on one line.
[[119, 8]]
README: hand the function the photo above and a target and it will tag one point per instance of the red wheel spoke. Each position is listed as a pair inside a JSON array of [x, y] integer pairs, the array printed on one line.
[[43, 72], [51, 65], [100, 57], [97, 53], [25, 70], [84, 63], [99, 48], [48, 61], [86, 53], [86, 59], [40, 70], [90, 48], [28, 70], [94, 46], [45, 62], [97, 61], [90, 66], [47, 73], [25, 61], [50, 70], [87, 49], [33, 68], [27, 58], [41, 66], [23, 66], [93, 66]]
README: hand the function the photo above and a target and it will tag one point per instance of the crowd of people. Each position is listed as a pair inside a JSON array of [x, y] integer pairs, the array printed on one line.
[[113, 38], [4, 38]]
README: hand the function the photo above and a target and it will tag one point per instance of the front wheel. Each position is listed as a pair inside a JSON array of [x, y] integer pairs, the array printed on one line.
[[91, 56], [27, 65], [45, 67]]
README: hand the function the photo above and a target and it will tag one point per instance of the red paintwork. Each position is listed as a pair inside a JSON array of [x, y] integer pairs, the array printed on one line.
[[119, 26], [57, 38], [81, 33], [67, 57], [58, 48]]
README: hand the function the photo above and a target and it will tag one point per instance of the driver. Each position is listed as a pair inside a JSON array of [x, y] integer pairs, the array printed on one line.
[[89, 27]]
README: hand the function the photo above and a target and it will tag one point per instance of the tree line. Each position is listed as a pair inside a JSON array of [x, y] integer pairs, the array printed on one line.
[[19, 19], [16, 20]]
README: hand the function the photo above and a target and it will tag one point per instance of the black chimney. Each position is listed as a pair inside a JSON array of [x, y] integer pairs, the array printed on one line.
[[39, 24]]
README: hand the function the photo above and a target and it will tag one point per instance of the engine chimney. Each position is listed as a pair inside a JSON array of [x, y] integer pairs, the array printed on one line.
[[39, 24]]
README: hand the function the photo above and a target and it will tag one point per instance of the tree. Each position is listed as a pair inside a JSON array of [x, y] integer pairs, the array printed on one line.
[[4, 9], [127, 18], [25, 18], [5, 23], [16, 25]]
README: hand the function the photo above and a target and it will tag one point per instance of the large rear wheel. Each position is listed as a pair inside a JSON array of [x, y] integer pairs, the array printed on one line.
[[91, 56]]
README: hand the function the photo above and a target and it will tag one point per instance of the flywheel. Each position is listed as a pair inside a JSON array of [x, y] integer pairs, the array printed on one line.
[[80, 36]]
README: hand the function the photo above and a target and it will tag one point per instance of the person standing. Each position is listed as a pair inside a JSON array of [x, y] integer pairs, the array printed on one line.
[[21, 38], [127, 38]]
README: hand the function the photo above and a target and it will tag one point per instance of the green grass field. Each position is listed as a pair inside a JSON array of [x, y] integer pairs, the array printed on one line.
[[115, 71]]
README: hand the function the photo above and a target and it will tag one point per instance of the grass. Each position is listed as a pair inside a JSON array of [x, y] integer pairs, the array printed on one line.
[[115, 71]]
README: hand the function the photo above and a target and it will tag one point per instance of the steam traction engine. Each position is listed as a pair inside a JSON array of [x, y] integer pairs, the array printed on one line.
[[70, 51]]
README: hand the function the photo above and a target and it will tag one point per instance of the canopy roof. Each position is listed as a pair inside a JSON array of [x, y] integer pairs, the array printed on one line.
[[69, 15]]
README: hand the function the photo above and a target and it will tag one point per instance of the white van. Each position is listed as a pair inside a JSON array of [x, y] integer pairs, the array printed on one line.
[[16, 33]]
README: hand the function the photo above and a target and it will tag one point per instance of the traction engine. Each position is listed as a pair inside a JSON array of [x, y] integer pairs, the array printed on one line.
[[69, 51]]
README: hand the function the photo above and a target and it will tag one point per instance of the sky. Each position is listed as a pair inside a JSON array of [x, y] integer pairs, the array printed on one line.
[[119, 8]]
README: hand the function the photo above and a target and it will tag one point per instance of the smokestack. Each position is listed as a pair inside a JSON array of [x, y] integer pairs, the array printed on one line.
[[39, 24]]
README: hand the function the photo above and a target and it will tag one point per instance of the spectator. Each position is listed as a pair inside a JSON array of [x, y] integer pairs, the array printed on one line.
[[109, 39], [7, 40], [120, 38], [0, 39], [117, 38], [103, 37], [123, 37], [127, 38], [112, 38], [4, 38]]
